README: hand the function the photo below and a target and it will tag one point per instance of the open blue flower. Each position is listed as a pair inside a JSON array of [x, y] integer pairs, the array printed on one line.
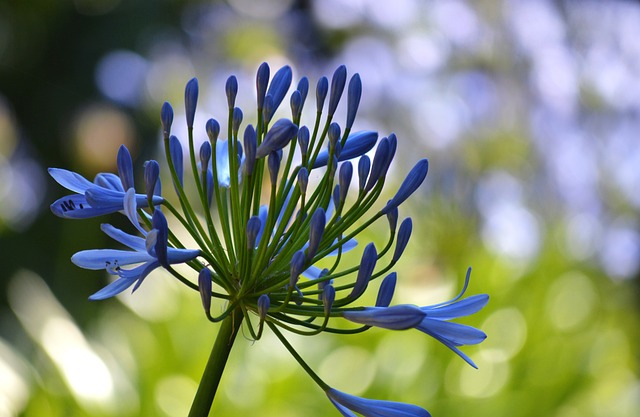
[[102, 196], [347, 404], [432, 320], [148, 253]]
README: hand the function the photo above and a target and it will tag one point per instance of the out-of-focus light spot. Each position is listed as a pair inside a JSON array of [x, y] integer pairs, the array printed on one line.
[[497, 188], [120, 76], [98, 133], [444, 118], [168, 73], [488, 380], [174, 394], [14, 390], [423, 52], [556, 80], [45, 320], [611, 350], [457, 21], [513, 231], [582, 236], [622, 159], [548, 30], [87, 375], [155, 301], [397, 14], [337, 369], [507, 333], [339, 14], [570, 301], [620, 251], [264, 10], [95, 7], [21, 191]]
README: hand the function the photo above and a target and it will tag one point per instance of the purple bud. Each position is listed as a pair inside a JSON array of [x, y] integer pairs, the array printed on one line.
[[303, 180], [393, 144], [267, 109], [273, 163], [357, 144], [262, 81], [277, 137], [303, 88], [367, 265], [298, 261], [344, 179], [316, 229], [404, 233], [254, 224], [364, 165], [353, 100], [336, 195], [159, 223], [205, 155], [334, 134], [379, 160], [125, 167], [279, 86], [263, 306], [387, 288], [213, 129], [236, 121], [191, 100], [321, 92], [204, 285], [166, 118], [392, 217], [152, 178], [337, 87], [410, 184], [250, 143], [175, 148], [296, 104], [328, 297], [303, 140], [231, 89]]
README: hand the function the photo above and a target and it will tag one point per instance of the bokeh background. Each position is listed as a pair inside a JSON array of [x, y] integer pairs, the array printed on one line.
[[529, 111]]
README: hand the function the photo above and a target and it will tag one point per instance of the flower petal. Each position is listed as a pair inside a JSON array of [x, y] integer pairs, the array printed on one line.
[[75, 206], [108, 258], [134, 242], [178, 256], [462, 308], [373, 408], [455, 333], [115, 288], [70, 180], [400, 317], [109, 181]]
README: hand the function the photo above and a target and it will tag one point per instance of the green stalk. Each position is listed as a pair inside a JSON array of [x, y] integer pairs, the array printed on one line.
[[215, 366]]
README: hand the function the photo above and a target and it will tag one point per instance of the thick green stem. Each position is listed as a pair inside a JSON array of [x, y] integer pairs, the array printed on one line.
[[215, 366]]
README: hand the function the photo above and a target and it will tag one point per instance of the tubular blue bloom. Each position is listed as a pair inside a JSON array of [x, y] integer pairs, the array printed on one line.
[[321, 92], [278, 87], [379, 161], [387, 288], [357, 144], [175, 148], [277, 137], [353, 99], [166, 117], [403, 238], [231, 88], [204, 286], [104, 195], [337, 87], [410, 184], [223, 168], [262, 81], [213, 129], [146, 251], [347, 404], [432, 320], [191, 100], [364, 165]]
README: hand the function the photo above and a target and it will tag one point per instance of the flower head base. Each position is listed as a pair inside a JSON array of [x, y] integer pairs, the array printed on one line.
[[272, 210]]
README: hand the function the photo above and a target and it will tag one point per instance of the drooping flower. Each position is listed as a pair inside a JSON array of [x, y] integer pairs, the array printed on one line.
[[347, 404], [432, 320]]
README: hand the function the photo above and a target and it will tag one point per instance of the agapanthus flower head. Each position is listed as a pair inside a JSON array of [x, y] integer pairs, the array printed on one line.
[[271, 209]]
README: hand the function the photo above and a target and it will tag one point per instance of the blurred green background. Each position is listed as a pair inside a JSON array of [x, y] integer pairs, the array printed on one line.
[[529, 112]]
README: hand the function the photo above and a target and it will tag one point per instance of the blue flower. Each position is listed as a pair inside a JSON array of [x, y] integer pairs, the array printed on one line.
[[347, 404], [148, 251], [432, 320], [102, 196]]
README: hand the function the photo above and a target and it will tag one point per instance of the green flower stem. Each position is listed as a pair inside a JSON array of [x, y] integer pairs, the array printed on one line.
[[215, 366]]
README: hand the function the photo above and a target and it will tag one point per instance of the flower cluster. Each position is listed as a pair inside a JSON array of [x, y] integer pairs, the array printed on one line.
[[265, 206]]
